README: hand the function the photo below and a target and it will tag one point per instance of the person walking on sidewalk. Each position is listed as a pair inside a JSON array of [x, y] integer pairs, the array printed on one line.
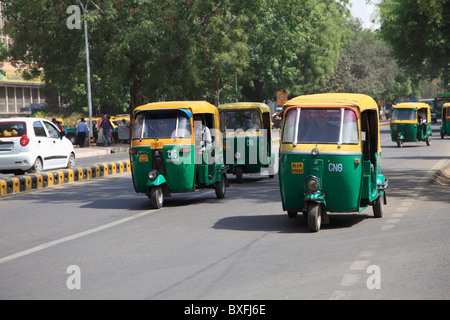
[[107, 129], [81, 133]]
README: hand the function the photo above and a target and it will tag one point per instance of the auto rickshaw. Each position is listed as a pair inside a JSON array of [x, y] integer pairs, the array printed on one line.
[[172, 150], [411, 122], [247, 138], [445, 125], [330, 157]]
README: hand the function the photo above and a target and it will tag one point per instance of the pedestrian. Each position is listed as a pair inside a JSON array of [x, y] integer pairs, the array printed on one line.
[[81, 133], [107, 129], [59, 125]]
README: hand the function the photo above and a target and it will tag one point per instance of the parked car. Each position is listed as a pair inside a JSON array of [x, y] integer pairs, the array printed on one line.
[[33, 145]]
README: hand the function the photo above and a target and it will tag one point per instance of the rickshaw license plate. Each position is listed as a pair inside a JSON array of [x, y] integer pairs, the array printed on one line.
[[143, 157], [156, 145], [297, 167]]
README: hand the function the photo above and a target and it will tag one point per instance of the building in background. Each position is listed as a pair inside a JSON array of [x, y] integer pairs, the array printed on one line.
[[20, 97]]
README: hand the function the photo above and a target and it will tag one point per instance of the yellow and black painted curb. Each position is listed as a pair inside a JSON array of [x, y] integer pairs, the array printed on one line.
[[51, 178]]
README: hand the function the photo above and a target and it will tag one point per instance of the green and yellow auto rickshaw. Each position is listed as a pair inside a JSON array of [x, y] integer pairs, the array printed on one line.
[[330, 157], [445, 125], [247, 137], [173, 149], [411, 122]]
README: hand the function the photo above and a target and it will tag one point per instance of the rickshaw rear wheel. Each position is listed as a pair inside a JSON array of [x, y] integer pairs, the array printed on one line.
[[239, 174], [156, 197], [378, 208], [442, 135], [220, 188], [314, 216], [292, 214]]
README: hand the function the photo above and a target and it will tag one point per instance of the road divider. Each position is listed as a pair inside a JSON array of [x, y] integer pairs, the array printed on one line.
[[57, 177]]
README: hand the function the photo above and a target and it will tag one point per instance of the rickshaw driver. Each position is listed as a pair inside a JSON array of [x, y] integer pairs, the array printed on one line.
[[321, 130], [203, 133], [163, 128]]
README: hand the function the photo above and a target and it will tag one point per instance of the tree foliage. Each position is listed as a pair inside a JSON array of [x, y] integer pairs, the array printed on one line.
[[367, 66], [142, 51], [419, 33]]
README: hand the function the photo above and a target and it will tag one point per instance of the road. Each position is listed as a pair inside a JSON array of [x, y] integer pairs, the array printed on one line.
[[98, 239]]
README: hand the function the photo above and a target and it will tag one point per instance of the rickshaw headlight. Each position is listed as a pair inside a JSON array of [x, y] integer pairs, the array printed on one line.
[[312, 184], [237, 155], [315, 152], [153, 174]]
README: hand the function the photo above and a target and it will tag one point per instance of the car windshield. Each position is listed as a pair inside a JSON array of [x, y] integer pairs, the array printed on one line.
[[12, 129], [321, 125], [404, 114], [242, 120], [161, 124]]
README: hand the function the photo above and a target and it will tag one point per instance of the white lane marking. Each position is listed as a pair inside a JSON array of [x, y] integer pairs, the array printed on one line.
[[75, 236], [359, 265], [350, 279]]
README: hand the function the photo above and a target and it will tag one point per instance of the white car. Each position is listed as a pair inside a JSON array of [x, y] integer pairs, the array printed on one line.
[[33, 145]]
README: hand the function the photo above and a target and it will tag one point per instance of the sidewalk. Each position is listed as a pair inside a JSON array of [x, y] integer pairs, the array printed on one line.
[[442, 177], [94, 150]]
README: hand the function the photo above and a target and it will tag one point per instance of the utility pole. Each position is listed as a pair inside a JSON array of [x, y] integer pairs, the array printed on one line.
[[84, 8]]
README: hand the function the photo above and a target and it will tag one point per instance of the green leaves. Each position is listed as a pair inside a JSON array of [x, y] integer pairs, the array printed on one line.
[[418, 31], [142, 51]]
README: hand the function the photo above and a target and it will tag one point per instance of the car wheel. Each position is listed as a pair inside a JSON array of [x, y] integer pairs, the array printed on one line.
[[71, 162], [37, 166]]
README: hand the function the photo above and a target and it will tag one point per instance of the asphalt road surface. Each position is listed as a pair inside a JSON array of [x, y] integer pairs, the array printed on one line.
[[98, 239]]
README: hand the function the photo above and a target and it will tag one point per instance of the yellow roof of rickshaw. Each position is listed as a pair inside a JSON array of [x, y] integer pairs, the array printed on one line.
[[446, 105], [361, 101], [245, 105], [411, 105], [193, 106]]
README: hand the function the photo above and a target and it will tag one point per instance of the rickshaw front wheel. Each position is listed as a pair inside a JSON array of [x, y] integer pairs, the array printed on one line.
[[399, 143], [314, 216], [220, 188], [378, 208], [156, 197], [428, 141]]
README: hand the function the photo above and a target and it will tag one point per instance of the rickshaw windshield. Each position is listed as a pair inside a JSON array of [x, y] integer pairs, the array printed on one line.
[[404, 114], [321, 125], [161, 124], [242, 119]]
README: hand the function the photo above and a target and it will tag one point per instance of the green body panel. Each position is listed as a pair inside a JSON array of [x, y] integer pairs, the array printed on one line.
[[341, 181], [445, 126], [180, 169], [254, 152], [410, 132]]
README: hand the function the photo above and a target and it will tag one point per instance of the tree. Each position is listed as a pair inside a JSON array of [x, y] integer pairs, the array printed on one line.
[[419, 33], [367, 66], [294, 46], [142, 51]]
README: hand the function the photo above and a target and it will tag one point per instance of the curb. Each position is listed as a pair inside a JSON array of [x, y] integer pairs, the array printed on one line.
[[51, 178], [91, 152]]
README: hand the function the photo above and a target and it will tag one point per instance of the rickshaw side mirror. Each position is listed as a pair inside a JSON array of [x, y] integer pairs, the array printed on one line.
[[363, 136]]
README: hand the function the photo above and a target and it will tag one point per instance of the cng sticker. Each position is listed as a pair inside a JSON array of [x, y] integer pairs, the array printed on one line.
[[297, 167]]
